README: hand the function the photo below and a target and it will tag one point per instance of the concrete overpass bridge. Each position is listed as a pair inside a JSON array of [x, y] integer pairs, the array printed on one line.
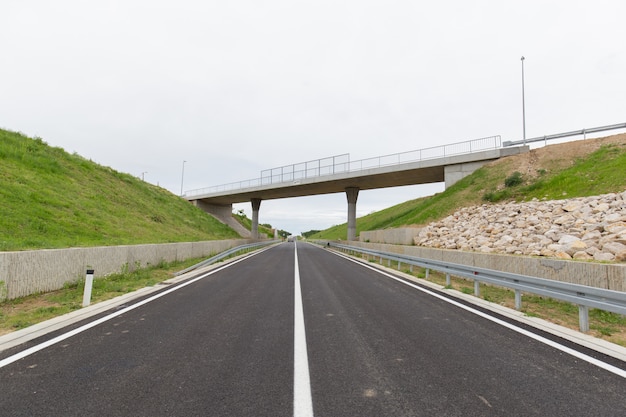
[[336, 174]]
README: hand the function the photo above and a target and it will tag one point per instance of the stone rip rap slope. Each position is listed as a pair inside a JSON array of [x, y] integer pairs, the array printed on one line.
[[586, 228]]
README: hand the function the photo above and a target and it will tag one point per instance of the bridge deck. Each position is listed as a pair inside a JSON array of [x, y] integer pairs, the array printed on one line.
[[419, 172]]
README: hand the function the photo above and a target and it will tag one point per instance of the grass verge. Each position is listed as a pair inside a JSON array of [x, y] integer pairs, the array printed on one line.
[[24, 312]]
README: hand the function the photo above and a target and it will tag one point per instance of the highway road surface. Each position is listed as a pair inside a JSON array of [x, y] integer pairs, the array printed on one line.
[[297, 330]]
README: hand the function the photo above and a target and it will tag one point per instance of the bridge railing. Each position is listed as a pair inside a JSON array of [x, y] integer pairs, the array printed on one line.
[[442, 151], [310, 169], [341, 164]]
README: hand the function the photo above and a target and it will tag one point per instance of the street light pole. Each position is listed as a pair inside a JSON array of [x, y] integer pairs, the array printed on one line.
[[523, 104], [182, 179]]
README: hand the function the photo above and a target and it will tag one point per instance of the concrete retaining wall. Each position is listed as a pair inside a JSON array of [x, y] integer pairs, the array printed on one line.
[[399, 236], [607, 276], [30, 272]]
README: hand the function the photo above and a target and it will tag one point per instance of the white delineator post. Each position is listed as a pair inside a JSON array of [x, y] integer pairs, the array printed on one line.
[[88, 287]]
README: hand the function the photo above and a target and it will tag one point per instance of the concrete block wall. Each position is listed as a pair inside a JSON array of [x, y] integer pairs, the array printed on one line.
[[600, 275], [30, 272]]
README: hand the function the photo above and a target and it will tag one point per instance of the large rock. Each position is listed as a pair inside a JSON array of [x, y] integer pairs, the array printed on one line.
[[614, 248], [617, 227]]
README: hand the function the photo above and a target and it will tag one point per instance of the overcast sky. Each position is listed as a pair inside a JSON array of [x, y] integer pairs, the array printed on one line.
[[236, 87]]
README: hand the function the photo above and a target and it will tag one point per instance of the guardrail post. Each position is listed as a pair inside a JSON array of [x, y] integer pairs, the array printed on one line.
[[88, 287], [518, 300], [477, 288], [583, 318]]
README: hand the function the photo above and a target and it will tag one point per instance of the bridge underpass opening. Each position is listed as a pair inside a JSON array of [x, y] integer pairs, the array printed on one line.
[[297, 215], [352, 194]]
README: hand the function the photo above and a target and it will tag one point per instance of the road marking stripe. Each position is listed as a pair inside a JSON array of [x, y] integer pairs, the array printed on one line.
[[613, 369], [302, 402], [27, 352]]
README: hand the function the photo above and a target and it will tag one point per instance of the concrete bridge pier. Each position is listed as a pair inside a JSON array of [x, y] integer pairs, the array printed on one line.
[[352, 193], [256, 205]]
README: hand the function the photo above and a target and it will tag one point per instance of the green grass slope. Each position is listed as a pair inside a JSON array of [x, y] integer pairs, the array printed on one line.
[[568, 170], [51, 199]]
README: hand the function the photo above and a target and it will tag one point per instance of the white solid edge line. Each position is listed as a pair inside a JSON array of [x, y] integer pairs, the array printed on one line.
[[27, 352], [302, 401], [608, 367]]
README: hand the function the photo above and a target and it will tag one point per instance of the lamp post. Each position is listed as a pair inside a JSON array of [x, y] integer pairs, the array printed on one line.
[[523, 104], [182, 179]]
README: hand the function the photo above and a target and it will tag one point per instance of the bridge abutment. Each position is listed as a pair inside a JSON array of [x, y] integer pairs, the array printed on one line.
[[223, 213], [456, 172]]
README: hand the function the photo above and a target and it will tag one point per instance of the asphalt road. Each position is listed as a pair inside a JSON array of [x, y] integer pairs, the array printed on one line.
[[223, 345]]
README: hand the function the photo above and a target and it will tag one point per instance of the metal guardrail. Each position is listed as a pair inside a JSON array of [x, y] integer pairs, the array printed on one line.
[[342, 164], [583, 132], [226, 254], [582, 295]]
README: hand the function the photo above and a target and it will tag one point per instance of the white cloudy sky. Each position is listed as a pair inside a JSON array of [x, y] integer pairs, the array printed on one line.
[[235, 87]]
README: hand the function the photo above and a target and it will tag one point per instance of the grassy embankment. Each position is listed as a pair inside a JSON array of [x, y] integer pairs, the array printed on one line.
[[51, 199]]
